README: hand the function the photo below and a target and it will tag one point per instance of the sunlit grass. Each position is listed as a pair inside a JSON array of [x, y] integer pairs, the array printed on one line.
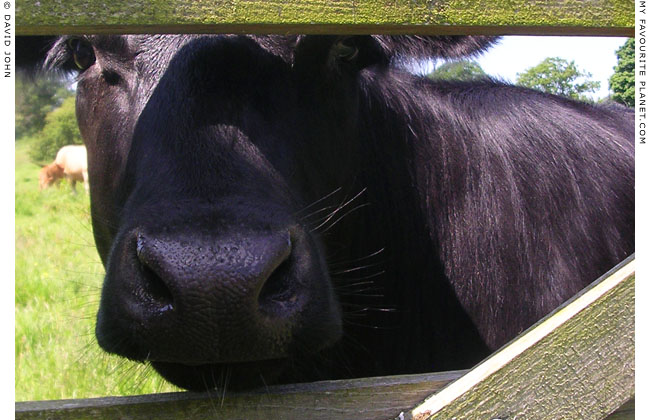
[[58, 283]]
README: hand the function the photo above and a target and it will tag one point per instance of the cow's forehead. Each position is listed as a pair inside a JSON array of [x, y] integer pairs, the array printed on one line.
[[160, 46], [153, 53]]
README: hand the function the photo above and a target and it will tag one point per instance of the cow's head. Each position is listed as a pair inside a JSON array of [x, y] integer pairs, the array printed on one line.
[[48, 175], [205, 154]]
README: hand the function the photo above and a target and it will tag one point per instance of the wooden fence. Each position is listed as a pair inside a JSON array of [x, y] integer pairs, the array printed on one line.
[[577, 363]]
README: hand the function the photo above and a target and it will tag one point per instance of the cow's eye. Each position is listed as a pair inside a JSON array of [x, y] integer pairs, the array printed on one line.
[[82, 53], [346, 50]]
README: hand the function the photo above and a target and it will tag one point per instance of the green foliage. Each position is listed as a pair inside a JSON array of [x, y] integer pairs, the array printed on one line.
[[36, 95], [622, 81], [60, 129], [58, 281], [560, 77], [458, 70], [606, 100]]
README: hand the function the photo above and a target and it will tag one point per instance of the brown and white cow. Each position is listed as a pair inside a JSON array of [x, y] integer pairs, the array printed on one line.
[[48, 175], [70, 162]]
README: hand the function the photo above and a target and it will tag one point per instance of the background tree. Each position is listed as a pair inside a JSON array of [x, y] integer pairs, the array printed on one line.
[[458, 70], [59, 130], [622, 81], [36, 95], [560, 77]]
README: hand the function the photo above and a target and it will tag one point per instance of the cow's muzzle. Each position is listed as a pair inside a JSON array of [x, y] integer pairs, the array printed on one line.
[[195, 298]]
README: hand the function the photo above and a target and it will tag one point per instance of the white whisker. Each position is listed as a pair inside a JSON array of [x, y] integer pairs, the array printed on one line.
[[319, 200], [339, 209], [346, 214]]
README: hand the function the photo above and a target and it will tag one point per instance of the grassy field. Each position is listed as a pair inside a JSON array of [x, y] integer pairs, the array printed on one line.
[[58, 283]]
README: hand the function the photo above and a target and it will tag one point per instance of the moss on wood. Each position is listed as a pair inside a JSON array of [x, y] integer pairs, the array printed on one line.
[[531, 16]]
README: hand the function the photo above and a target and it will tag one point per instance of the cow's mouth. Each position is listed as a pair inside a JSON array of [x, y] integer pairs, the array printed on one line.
[[228, 376]]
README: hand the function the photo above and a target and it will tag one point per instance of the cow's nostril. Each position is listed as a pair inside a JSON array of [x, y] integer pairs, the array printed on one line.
[[156, 290], [277, 295]]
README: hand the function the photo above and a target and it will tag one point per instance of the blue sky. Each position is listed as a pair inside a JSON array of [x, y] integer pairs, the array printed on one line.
[[514, 54]]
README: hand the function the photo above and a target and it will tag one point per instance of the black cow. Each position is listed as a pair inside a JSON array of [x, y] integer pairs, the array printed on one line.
[[274, 209]]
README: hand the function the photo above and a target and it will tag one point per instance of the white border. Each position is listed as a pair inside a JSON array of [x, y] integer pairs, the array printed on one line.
[[7, 209], [641, 122]]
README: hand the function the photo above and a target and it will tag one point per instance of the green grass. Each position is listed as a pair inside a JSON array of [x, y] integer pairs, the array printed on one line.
[[58, 283]]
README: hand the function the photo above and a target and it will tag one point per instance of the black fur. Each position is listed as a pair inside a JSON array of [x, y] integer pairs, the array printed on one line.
[[299, 208]]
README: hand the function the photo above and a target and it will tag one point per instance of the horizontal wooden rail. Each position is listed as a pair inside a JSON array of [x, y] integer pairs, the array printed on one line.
[[360, 399], [369, 398], [549, 17], [576, 363]]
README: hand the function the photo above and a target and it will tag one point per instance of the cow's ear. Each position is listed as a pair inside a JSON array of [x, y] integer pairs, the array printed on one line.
[[31, 52], [317, 52], [443, 46]]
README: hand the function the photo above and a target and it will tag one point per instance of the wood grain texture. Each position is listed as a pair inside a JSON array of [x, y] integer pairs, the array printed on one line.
[[370, 398], [606, 17], [577, 363]]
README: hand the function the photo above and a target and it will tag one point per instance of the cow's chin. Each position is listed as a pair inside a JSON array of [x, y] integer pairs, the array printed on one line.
[[229, 376]]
